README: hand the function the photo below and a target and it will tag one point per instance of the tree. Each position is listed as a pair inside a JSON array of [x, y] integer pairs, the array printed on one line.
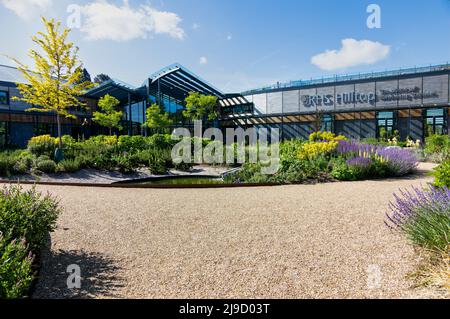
[[199, 106], [318, 121], [54, 86], [86, 77], [109, 116], [100, 78], [156, 119]]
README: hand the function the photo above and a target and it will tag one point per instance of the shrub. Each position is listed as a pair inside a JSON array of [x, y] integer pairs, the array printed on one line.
[[341, 171], [125, 163], [373, 141], [295, 170], [132, 143], [395, 160], [249, 173], [315, 149], [442, 175], [21, 167], [15, 269], [42, 145], [424, 215], [437, 144], [42, 158], [399, 161], [325, 137], [161, 141], [159, 160], [27, 214], [46, 166], [7, 162], [69, 165]]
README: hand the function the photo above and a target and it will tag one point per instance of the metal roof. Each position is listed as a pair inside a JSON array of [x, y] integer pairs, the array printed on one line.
[[120, 90], [11, 74], [178, 81]]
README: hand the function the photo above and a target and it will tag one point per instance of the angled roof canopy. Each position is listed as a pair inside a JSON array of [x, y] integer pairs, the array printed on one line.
[[120, 90], [177, 81]]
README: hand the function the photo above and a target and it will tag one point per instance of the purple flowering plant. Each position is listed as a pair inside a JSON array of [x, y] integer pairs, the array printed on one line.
[[398, 161], [424, 215]]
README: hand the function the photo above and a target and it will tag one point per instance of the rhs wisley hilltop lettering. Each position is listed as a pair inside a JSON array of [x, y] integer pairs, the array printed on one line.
[[402, 94]]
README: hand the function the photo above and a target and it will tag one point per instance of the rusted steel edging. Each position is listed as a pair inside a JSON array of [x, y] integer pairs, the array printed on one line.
[[138, 186]]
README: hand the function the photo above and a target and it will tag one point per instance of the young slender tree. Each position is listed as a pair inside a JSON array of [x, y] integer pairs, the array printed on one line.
[[199, 106], [156, 119], [54, 85], [108, 115]]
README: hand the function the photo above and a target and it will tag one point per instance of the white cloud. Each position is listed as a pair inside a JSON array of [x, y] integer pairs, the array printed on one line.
[[203, 60], [195, 26], [26, 9], [103, 20], [229, 36], [352, 53]]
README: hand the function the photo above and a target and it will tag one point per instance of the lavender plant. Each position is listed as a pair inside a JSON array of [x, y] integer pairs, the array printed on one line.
[[424, 215], [359, 162], [399, 161]]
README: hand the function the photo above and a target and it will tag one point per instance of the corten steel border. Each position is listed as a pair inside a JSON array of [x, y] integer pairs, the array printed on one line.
[[132, 185]]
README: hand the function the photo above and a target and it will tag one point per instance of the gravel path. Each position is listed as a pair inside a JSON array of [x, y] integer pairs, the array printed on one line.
[[299, 241]]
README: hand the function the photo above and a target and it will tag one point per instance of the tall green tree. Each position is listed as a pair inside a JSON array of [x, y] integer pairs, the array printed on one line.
[[108, 115], [55, 83], [200, 106], [156, 119]]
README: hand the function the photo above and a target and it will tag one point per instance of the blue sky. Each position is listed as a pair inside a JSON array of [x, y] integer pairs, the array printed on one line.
[[238, 44]]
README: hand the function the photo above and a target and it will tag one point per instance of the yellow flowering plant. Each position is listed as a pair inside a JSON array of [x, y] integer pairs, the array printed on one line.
[[42, 145], [320, 143]]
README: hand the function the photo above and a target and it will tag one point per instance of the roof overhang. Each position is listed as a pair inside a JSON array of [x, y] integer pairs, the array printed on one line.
[[177, 81], [117, 89]]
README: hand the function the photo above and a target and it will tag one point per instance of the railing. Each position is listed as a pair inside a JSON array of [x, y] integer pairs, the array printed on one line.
[[351, 77]]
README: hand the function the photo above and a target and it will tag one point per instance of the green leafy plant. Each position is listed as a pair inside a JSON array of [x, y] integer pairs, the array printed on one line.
[[442, 174], [156, 118], [69, 165], [16, 272], [42, 145], [200, 106], [27, 214], [107, 115], [46, 166]]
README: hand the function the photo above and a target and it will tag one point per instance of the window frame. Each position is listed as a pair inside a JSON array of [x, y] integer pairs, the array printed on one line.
[[386, 125]]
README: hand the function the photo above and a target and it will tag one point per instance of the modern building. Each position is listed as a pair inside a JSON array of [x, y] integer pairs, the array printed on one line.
[[17, 125], [414, 102]]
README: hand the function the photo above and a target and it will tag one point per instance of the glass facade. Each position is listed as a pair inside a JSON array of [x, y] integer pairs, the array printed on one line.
[[386, 124], [4, 98], [435, 121], [327, 123], [134, 118]]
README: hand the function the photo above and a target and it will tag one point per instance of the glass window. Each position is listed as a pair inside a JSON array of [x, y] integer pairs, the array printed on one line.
[[42, 129], [435, 122], [386, 123], [327, 123], [3, 133], [4, 98]]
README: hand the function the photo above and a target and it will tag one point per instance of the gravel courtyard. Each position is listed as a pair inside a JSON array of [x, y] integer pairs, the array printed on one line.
[[299, 241]]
